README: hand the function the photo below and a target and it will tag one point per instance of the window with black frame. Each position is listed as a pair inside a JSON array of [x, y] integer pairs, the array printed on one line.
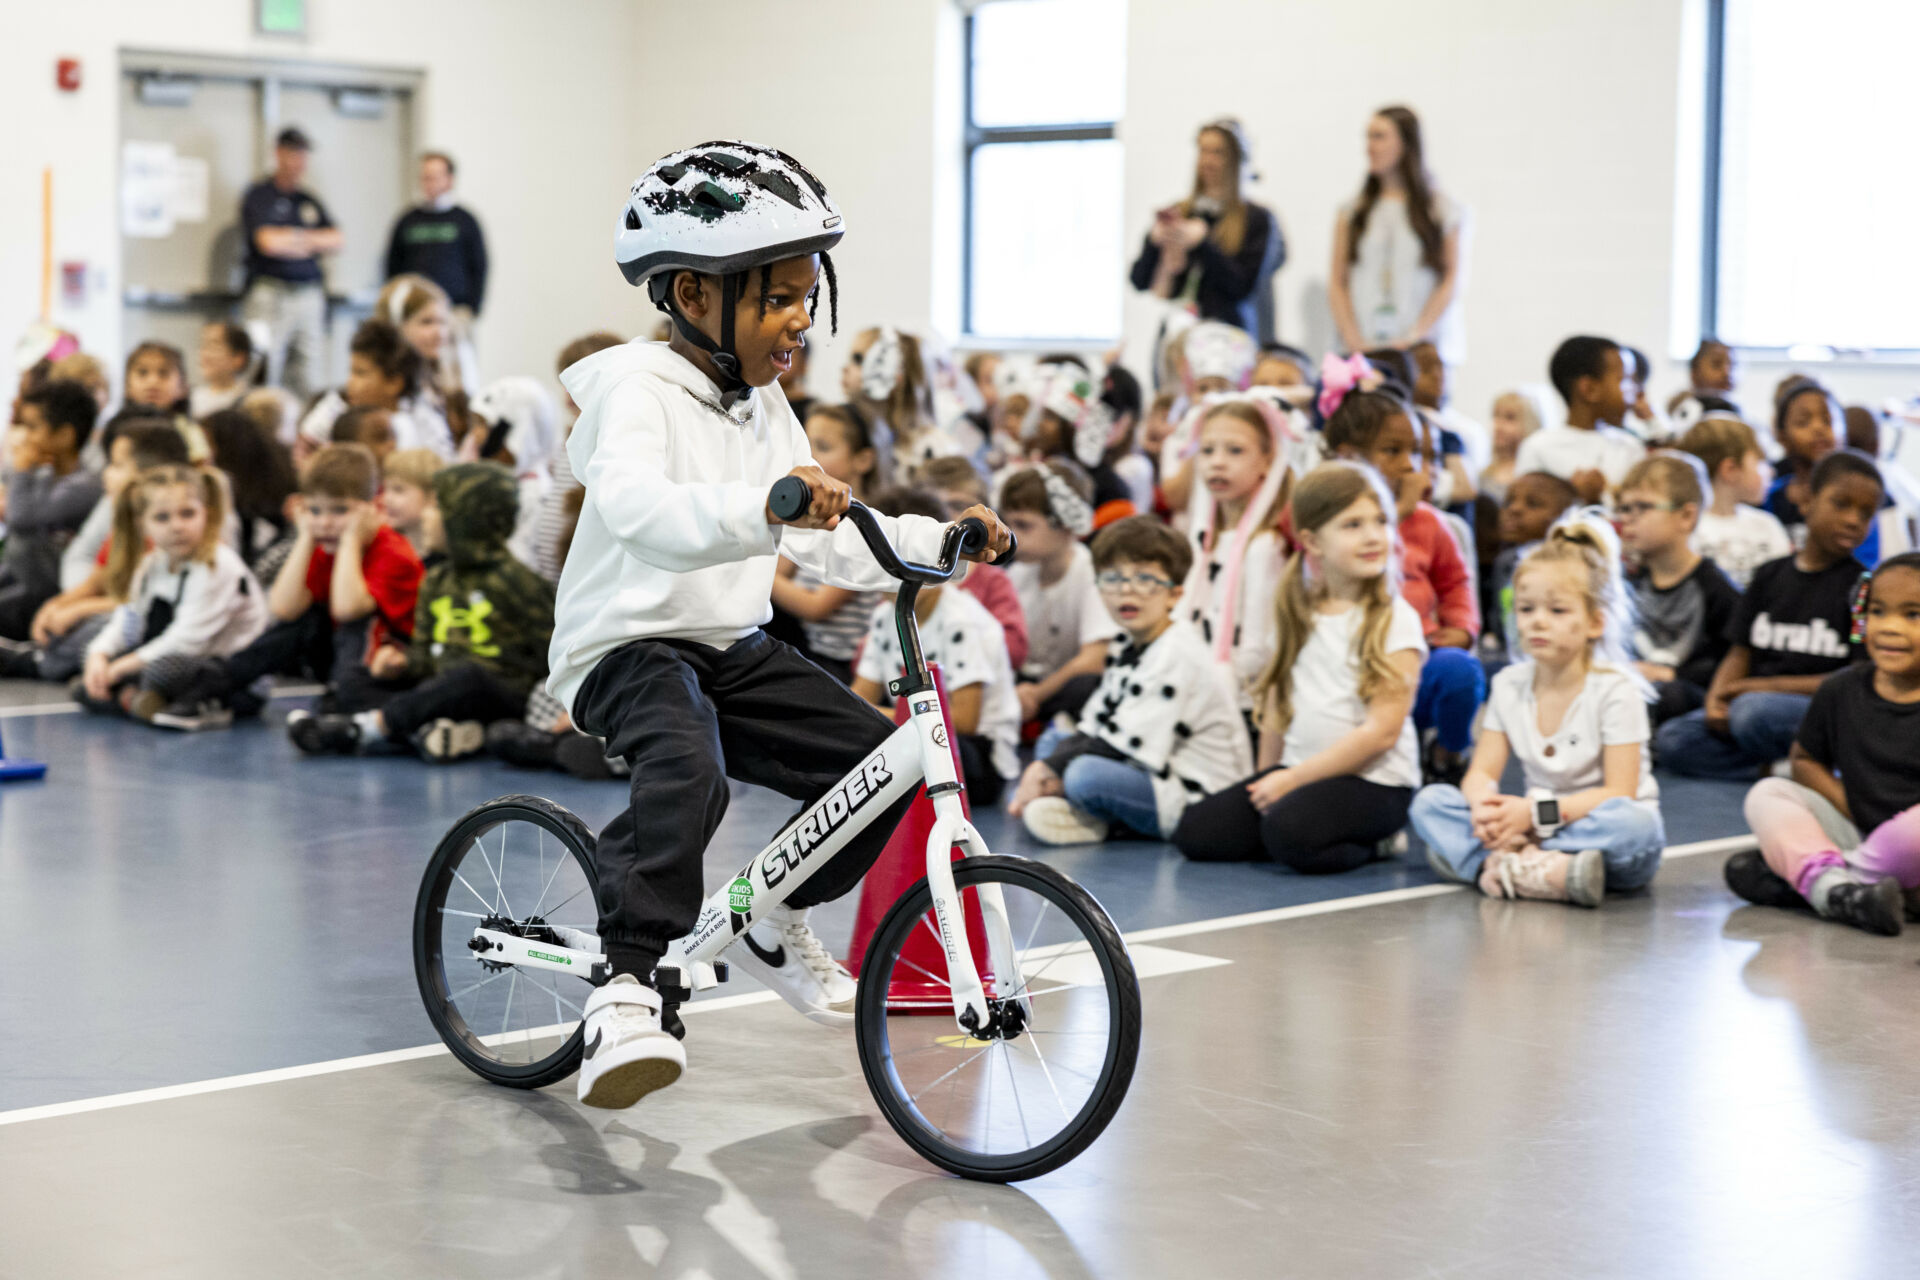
[[1810, 190], [1042, 249]]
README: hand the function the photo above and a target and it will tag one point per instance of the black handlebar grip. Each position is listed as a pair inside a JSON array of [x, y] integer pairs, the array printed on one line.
[[973, 535], [1013, 545], [790, 499]]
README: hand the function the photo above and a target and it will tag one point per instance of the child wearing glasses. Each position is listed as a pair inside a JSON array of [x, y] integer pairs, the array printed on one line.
[[1682, 600], [1162, 729]]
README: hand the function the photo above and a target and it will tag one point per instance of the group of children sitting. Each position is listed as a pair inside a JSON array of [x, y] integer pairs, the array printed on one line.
[[1273, 611]]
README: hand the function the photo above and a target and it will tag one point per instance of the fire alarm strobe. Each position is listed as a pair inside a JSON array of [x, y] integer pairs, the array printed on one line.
[[66, 74]]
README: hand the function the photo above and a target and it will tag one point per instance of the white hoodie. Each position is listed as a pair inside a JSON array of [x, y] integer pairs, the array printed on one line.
[[673, 539]]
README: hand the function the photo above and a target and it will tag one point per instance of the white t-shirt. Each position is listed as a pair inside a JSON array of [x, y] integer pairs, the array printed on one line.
[[1390, 285], [1324, 688], [1742, 542], [971, 648], [1063, 616], [1137, 474], [1607, 711], [1564, 450]]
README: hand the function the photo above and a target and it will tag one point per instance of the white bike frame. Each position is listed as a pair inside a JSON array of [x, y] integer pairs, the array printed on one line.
[[916, 751]]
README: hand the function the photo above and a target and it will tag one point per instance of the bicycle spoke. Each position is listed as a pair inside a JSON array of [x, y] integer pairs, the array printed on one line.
[[1019, 1108], [480, 844], [554, 909], [550, 879], [936, 1083], [558, 999], [507, 1014], [475, 892], [472, 915], [476, 986], [1057, 1099], [1045, 906], [500, 879], [917, 969]]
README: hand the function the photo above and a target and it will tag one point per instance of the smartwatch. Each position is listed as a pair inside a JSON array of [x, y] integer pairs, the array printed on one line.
[[1546, 812]]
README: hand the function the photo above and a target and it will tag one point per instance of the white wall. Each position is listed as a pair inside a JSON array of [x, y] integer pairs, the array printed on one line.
[[533, 100]]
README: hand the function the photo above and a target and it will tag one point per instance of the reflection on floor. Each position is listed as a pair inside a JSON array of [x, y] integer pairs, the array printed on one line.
[[1673, 1086]]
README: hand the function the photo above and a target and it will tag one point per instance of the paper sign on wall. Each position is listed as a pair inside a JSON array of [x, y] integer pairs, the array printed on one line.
[[147, 184], [190, 174]]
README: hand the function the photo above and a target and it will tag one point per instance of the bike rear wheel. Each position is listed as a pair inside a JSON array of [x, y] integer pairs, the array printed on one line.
[[1040, 1083], [522, 865]]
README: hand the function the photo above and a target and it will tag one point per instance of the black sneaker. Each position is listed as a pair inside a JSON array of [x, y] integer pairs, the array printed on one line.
[[192, 717], [321, 735], [446, 740], [19, 660], [1749, 876], [519, 743], [1876, 907]]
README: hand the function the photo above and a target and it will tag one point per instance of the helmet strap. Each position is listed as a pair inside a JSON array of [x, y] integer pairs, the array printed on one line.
[[725, 361]]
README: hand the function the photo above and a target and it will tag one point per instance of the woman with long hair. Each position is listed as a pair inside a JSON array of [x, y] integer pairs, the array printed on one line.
[[1214, 251], [1399, 249]]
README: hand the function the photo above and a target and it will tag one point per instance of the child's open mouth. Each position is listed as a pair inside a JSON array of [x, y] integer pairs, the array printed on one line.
[[1127, 612], [783, 359]]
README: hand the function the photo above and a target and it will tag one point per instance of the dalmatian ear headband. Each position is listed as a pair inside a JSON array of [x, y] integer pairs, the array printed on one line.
[[1070, 511], [882, 365]]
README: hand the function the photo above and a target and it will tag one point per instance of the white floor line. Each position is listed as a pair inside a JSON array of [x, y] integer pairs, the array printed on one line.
[[73, 708], [1725, 844]]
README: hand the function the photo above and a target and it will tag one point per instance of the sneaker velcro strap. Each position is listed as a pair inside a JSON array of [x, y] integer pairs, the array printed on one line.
[[627, 993]]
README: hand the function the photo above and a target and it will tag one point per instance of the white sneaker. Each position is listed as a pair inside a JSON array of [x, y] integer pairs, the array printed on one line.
[[628, 1056], [781, 951], [1055, 820]]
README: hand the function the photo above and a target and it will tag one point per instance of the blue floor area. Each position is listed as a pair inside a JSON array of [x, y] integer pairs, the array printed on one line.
[[183, 907]]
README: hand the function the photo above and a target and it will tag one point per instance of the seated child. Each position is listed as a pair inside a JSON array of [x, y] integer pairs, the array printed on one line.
[[1789, 633], [1681, 599], [958, 485], [156, 380], [191, 597], [1574, 713], [1049, 508], [348, 587], [65, 625], [958, 633], [1281, 366], [258, 473], [226, 356], [1591, 451], [1229, 593], [1808, 422], [1735, 531], [1853, 772], [1430, 396], [406, 493], [370, 428], [48, 496], [1070, 420], [518, 427], [1377, 428], [1534, 502], [384, 371], [1120, 393], [1517, 414], [552, 515], [1164, 727], [1643, 420], [832, 620], [480, 635], [1338, 758]]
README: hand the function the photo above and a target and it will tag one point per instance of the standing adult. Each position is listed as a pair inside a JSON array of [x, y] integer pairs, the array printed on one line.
[[440, 240], [1214, 251], [1399, 250], [287, 230]]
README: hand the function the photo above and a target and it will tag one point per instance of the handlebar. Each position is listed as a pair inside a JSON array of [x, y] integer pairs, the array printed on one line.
[[791, 496]]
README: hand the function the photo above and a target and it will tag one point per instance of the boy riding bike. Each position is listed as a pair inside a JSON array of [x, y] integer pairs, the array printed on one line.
[[657, 646]]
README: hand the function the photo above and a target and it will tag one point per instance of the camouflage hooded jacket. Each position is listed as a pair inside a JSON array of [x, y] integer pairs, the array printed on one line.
[[480, 604]]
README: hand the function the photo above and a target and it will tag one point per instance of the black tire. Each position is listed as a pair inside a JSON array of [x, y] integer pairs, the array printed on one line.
[[429, 964], [1123, 999]]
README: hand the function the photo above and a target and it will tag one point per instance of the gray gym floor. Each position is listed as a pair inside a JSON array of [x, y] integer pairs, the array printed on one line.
[[1387, 1077]]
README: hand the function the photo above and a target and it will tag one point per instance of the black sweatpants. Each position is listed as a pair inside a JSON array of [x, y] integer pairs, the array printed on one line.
[[686, 717], [466, 692], [1326, 826], [1069, 697], [308, 645]]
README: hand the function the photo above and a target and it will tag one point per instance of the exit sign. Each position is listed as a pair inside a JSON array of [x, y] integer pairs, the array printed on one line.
[[281, 17]]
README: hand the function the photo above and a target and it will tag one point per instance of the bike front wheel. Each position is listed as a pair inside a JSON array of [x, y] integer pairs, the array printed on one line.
[[1034, 1088]]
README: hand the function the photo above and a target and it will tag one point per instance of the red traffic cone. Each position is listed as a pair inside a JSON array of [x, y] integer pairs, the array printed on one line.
[[900, 865]]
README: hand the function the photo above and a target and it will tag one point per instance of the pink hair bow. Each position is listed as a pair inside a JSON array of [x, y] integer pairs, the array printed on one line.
[[1337, 378]]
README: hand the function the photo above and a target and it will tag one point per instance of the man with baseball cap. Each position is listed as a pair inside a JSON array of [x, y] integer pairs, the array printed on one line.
[[287, 229]]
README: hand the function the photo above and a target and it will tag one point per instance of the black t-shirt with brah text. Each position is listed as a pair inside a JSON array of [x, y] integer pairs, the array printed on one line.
[[1796, 622], [1871, 743]]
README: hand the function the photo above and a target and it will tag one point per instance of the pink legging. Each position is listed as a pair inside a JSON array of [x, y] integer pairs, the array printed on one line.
[[1798, 848]]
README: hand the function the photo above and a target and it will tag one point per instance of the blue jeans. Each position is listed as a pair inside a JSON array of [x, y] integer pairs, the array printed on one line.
[[1453, 684], [1760, 728], [1628, 833], [1115, 791]]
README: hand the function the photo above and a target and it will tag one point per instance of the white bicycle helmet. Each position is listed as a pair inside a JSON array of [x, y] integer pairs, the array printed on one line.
[[723, 208]]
